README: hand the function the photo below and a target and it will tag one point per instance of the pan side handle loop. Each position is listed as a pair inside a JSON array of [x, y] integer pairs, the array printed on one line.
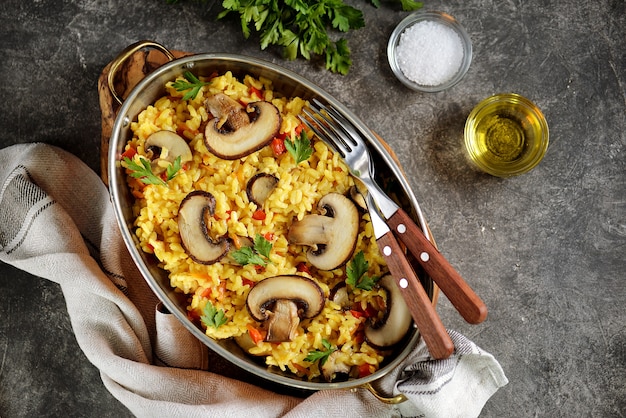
[[125, 55], [394, 400]]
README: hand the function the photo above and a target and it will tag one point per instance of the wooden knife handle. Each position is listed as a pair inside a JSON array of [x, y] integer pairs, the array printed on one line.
[[458, 292], [431, 328]]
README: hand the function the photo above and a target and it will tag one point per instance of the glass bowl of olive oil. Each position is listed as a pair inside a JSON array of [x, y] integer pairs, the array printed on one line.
[[506, 135]]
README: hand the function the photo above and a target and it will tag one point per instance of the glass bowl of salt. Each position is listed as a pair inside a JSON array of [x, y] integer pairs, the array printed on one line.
[[429, 51]]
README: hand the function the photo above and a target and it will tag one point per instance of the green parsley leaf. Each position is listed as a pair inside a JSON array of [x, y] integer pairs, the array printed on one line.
[[300, 148], [213, 317], [338, 57], [192, 83], [321, 355], [259, 254], [247, 255], [262, 246], [173, 169], [356, 272], [409, 5], [144, 172]]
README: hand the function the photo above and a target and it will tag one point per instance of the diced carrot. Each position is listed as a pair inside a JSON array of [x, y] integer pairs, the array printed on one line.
[[300, 368], [256, 334]]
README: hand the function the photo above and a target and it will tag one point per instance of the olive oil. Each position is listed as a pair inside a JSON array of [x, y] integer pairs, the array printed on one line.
[[501, 136], [506, 135]]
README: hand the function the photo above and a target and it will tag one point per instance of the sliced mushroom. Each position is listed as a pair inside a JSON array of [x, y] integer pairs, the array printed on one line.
[[164, 147], [358, 198], [397, 321], [239, 131], [331, 235], [193, 215], [259, 187], [281, 301], [339, 295], [282, 321], [230, 113], [334, 370]]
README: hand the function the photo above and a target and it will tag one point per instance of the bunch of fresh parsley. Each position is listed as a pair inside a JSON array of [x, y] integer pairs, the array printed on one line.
[[303, 27]]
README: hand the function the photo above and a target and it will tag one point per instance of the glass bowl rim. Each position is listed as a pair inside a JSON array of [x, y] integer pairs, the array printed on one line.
[[515, 167], [434, 16]]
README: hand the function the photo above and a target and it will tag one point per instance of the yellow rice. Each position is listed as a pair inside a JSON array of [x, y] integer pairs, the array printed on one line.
[[296, 195]]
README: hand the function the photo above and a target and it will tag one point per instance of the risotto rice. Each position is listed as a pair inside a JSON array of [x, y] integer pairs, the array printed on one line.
[[226, 284]]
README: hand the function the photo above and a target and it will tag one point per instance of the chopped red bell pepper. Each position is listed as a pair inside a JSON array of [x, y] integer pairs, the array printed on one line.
[[357, 314], [130, 153], [259, 215], [364, 370], [303, 268], [278, 146], [254, 91]]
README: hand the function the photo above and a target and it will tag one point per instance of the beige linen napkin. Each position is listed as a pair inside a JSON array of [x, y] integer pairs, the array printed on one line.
[[57, 223]]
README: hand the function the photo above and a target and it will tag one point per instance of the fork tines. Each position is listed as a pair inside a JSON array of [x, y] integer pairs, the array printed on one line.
[[330, 126]]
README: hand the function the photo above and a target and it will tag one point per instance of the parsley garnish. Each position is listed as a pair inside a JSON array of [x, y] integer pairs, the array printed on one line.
[[300, 148], [259, 254], [356, 272], [213, 317], [321, 355], [144, 172], [303, 27], [193, 84]]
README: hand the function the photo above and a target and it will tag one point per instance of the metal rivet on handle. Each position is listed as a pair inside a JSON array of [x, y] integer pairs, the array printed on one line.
[[387, 250], [404, 283], [424, 256], [401, 228]]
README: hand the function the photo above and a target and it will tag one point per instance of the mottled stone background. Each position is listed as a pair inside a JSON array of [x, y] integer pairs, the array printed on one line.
[[546, 250]]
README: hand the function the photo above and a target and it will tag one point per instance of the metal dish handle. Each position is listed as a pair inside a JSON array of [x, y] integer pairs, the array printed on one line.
[[394, 400], [126, 54]]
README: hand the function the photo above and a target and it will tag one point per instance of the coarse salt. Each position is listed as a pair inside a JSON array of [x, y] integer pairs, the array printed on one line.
[[429, 53]]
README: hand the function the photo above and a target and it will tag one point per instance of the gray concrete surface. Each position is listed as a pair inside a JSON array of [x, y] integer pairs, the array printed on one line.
[[545, 250]]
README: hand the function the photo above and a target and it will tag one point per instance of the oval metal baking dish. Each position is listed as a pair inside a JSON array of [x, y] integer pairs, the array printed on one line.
[[286, 83]]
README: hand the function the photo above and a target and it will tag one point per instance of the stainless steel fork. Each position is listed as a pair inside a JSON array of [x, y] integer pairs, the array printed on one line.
[[337, 131]]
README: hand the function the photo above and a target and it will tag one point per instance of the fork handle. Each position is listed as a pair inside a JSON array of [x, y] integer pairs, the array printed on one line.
[[458, 292], [431, 328]]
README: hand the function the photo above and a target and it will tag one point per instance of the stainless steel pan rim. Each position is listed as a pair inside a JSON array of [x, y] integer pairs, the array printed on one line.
[[145, 93]]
